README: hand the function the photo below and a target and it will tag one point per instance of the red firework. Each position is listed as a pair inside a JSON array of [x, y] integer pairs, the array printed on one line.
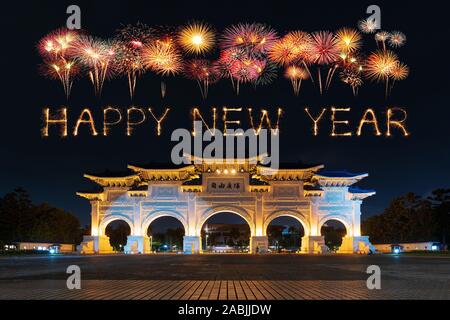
[[202, 71], [255, 38]]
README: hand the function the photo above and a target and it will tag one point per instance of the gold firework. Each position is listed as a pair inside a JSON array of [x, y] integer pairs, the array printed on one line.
[[196, 38], [349, 40], [162, 58], [400, 71]]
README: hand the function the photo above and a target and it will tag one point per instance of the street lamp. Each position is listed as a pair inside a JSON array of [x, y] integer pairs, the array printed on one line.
[[206, 236], [151, 244]]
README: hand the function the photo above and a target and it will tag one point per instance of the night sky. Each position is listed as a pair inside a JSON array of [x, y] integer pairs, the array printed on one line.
[[52, 169]]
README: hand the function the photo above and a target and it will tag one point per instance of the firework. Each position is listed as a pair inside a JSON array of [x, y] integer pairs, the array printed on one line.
[[202, 71], [196, 38], [62, 70], [55, 44], [397, 39], [352, 78], [268, 73], [131, 39], [367, 26], [296, 74], [398, 73], [380, 66], [54, 49], [348, 40], [255, 38], [382, 37], [96, 56], [324, 51], [162, 58], [246, 70], [295, 46]]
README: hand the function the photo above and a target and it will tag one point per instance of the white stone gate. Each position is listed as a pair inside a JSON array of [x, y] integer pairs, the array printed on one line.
[[194, 193]]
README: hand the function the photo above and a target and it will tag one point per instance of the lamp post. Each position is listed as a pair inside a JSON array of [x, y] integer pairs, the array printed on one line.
[[151, 244]]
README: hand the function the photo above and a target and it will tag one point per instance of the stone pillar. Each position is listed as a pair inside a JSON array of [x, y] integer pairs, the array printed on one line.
[[137, 244], [259, 244], [95, 244], [313, 244], [192, 244], [356, 245]]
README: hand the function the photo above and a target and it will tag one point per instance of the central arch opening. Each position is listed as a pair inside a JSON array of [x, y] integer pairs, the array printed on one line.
[[166, 235], [118, 232], [285, 235], [333, 231], [225, 232]]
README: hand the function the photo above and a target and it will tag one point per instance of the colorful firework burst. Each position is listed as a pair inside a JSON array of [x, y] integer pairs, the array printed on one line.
[[96, 56], [353, 78], [54, 49], [202, 71], [255, 38], [380, 65], [296, 75], [294, 46], [367, 26], [397, 39], [162, 58], [196, 38]]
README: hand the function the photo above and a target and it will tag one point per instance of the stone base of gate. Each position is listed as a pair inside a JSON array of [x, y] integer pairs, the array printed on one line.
[[137, 244], [313, 244], [95, 244], [259, 244], [192, 245], [359, 244]]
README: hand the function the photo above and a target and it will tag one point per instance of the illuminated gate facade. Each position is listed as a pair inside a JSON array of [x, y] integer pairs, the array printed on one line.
[[194, 193]]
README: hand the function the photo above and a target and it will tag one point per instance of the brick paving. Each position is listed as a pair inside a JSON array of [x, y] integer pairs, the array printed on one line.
[[224, 277], [218, 290]]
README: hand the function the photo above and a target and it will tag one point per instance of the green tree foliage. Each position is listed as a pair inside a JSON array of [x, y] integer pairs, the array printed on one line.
[[440, 201], [409, 218], [21, 220]]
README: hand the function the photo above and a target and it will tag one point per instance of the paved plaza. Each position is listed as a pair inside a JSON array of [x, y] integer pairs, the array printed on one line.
[[225, 277]]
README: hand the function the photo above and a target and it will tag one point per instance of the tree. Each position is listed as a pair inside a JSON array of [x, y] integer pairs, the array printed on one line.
[[21, 220], [440, 201], [408, 218]]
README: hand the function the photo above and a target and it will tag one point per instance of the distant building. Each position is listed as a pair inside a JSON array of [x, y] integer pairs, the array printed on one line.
[[223, 233], [42, 246], [407, 247]]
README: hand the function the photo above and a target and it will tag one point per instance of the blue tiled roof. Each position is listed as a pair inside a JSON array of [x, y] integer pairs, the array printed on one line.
[[339, 174], [358, 190]]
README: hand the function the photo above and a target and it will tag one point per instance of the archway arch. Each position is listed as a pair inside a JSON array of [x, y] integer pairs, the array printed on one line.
[[152, 216], [334, 231], [225, 209], [348, 225], [167, 238], [225, 236], [114, 217], [287, 213]]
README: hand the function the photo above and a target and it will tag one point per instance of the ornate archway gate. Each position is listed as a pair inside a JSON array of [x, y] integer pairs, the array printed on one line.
[[193, 193]]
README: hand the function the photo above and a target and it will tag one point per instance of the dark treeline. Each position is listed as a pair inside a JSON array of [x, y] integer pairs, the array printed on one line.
[[411, 218], [22, 220]]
